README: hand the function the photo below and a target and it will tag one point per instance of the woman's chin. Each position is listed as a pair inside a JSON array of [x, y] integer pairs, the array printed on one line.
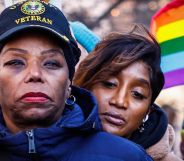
[[35, 118], [116, 130]]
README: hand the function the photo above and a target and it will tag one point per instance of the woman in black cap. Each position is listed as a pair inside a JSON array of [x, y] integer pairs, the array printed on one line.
[[124, 74]]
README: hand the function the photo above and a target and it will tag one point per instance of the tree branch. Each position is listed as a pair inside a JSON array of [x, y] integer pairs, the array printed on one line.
[[105, 14]]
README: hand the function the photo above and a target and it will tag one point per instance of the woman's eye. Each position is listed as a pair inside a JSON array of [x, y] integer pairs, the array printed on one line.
[[15, 62], [52, 64], [109, 84], [138, 95]]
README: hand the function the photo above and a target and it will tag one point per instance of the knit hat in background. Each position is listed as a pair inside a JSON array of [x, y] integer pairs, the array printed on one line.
[[84, 36]]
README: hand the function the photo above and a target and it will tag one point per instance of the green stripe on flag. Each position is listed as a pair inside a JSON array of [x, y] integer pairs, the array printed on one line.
[[172, 46]]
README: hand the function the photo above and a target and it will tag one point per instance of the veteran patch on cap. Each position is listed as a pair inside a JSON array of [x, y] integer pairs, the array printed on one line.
[[39, 15], [33, 8]]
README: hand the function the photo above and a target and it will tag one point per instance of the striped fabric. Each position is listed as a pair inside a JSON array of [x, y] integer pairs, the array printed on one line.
[[168, 27]]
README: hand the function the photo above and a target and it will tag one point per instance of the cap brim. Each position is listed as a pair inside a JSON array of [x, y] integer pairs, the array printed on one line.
[[11, 32]]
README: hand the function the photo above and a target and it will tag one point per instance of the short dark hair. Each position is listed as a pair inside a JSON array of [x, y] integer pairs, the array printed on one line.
[[117, 51]]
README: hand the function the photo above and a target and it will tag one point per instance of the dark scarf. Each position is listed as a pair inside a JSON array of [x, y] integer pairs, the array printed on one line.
[[155, 127]]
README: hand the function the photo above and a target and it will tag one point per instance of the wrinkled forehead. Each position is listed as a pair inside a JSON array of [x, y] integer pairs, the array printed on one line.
[[32, 44], [34, 35]]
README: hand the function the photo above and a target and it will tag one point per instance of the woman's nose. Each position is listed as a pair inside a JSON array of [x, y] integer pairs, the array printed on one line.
[[120, 99], [34, 73]]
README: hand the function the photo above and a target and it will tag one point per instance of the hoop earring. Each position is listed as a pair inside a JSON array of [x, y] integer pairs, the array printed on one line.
[[70, 101], [141, 128]]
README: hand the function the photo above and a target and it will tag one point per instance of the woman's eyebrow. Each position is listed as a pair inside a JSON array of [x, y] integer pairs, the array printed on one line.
[[23, 51], [53, 51], [143, 82], [15, 49]]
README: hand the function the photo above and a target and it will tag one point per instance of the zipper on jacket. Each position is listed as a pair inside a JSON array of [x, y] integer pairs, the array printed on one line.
[[30, 135]]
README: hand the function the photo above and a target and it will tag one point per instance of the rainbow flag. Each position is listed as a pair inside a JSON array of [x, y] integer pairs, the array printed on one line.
[[168, 27]]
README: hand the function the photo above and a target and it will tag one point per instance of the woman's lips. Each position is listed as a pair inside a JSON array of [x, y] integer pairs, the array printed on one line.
[[35, 97], [114, 119]]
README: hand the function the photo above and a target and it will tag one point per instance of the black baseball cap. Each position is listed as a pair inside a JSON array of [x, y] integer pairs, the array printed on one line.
[[38, 15]]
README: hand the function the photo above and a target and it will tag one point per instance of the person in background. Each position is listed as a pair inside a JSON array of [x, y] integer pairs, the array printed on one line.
[[171, 114], [182, 141], [167, 26], [85, 38], [43, 117], [124, 74]]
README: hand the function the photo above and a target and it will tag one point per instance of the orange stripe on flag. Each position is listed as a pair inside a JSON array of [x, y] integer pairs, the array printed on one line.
[[170, 16]]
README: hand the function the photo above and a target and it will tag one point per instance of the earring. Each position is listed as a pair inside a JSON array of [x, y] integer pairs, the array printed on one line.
[[145, 118], [141, 128], [70, 101]]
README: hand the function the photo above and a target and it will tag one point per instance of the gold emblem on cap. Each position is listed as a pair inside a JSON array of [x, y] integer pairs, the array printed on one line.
[[33, 7]]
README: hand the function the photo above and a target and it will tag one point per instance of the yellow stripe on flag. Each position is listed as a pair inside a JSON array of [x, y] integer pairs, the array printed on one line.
[[170, 31]]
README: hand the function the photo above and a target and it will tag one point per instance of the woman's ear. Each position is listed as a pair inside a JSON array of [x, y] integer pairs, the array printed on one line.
[[69, 92], [69, 89]]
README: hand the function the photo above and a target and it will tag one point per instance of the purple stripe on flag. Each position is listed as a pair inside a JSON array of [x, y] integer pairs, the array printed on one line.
[[174, 78]]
